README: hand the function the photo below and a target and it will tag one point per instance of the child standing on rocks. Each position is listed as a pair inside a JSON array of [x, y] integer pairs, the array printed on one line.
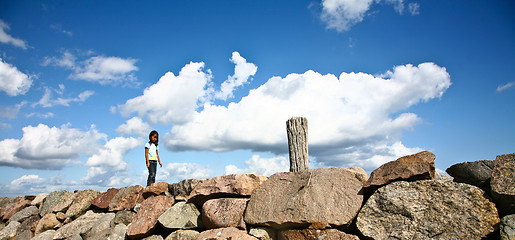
[[152, 156]]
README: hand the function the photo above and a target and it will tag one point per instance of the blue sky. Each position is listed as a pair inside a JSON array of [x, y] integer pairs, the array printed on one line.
[[82, 83]]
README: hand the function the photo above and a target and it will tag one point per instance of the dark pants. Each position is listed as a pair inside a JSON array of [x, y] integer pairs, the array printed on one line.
[[152, 172]]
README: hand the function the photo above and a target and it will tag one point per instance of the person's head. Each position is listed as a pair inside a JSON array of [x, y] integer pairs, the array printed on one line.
[[153, 137]]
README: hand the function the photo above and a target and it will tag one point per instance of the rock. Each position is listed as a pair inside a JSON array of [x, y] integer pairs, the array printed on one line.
[[427, 209], [81, 203], [408, 168], [308, 234], [184, 187], [476, 173], [124, 217], [118, 233], [507, 228], [235, 185], [30, 223], [80, 226], [24, 214], [183, 235], [263, 233], [47, 222], [47, 235], [19, 203], [39, 199], [23, 234], [50, 201], [224, 212], [10, 230], [503, 184], [153, 237], [65, 202], [126, 198], [182, 215], [103, 200], [224, 234], [101, 228], [299, 199], [156, 189], [359, 173], [145, 220]]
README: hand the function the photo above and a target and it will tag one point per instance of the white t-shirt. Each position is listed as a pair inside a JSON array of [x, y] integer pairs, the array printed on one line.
[[152, 151]]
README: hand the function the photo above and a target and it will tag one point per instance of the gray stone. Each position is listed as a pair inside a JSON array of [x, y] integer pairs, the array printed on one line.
[[10, 230], [101, 228], [427, 209], [184, 187], [300, 199], [80, 226], [51, 200], [124, 217], [182, 215], [263, 233], [476, 173], [39, 199], [118, 233], [81, 203], [503, 184], [507, 228], [47, 235], [64, 203], [24, 214], [153, 237], [308, 234], [183, 235]]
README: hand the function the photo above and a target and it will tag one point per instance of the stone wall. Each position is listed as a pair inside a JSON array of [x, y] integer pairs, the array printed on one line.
[[403, 199]]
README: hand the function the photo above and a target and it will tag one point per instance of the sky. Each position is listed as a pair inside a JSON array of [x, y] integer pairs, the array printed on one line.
[[82, 83]]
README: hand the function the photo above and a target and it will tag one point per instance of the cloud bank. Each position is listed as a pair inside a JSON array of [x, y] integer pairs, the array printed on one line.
[[354, 119]]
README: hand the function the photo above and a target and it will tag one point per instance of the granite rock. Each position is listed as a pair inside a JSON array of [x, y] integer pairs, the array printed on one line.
[[145, 220], [182, 215], [126, 198], [224, 212], [309, 234], [224, 234], [503, 184], [102, 201]]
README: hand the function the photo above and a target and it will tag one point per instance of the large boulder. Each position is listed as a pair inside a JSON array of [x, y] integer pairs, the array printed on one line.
[[182, 215], [408, 168], [126, 198], [308, 234], [224, 234], [47, 222], [39, 199], [47, 235], [235, 185], [19, 203], [24, 214], [184, 187], [65, 202], [427, 209], [102, 201], [51, 200], [507, 228], [476, 173], [224, 212], [145, 220], [9, 231], [300, 199], [81, 203], [503, 184], [156, 189]]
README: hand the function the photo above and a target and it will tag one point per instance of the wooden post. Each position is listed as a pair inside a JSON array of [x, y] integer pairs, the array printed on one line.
[[297, 129]]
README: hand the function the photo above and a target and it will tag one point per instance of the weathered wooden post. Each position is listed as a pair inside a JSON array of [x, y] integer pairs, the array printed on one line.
[[297, 129]]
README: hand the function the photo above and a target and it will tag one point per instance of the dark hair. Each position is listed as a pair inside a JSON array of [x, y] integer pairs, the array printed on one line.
[[154, 132]]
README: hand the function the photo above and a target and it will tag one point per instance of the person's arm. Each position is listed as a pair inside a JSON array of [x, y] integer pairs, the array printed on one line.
[[158, 159], [146, 157]]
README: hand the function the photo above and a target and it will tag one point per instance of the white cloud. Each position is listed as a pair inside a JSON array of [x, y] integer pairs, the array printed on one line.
[[44, 147], [505, 86], [12, 81], [176, 172], [8, 39], [108, 167], [261, 166], [99, 69], [341, 15], [242, 72], [173, 99], [34, 184], [48, 101], [135, 126], [357, 114], [11, 112]]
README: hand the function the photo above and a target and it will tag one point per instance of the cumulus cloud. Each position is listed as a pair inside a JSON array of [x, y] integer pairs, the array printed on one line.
[[12, 81], [242, 72], [108, 167], [173, 99], [8, 39], [34, 184], [135, 126], [354, 117], [99, 69], [262, 166], [176, 172], [44, 147], [505, 86], [47, 100], [341, 15]]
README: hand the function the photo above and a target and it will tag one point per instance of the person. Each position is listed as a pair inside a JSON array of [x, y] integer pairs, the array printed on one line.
[[152, 156]]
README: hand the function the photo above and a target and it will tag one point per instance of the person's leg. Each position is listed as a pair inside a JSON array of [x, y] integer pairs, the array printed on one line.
[[152, 173]]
